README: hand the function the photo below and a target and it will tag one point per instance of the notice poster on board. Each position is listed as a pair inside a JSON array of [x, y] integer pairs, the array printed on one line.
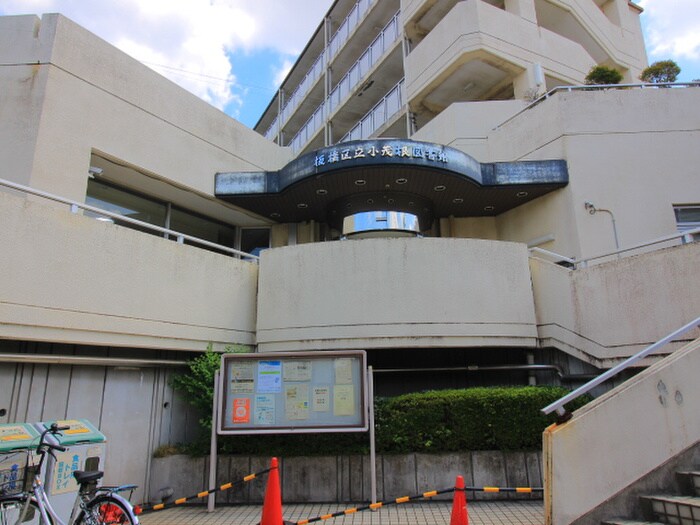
[[293, 392]]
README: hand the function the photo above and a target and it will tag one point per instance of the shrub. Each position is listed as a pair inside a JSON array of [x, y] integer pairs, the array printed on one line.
[[603, 75], [485, 418], [661, 71]]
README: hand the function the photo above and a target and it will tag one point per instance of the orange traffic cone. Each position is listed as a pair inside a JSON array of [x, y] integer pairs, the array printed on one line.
[[272, 507], [460, 515]]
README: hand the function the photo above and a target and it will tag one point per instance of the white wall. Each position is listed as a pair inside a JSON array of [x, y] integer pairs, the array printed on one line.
[[68, 93], [621, 436], [72, 279], [378, 293], [612, 310]]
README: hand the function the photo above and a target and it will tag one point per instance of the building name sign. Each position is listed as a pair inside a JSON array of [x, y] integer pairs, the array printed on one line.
[[339, 155]]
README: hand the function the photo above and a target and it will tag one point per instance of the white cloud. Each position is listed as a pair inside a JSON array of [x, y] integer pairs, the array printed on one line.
[[190, 41], [673, 28]]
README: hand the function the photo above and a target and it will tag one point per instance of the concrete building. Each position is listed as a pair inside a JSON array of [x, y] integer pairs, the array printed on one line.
[[409, 197]]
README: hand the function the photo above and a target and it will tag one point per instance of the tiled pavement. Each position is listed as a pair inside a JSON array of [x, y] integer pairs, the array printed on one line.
[[425, 513]]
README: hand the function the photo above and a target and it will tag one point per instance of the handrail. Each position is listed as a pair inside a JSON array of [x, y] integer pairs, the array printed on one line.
[[686, 236], [599, 87], [558, 406], [75, 206]]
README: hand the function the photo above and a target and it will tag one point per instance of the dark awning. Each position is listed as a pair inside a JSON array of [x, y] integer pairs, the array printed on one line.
[[429, 180]]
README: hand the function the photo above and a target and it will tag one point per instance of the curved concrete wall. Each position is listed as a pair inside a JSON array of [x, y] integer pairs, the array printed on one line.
[[379, 293]]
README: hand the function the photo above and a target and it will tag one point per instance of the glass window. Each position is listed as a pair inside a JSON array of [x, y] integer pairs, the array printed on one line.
[[687, 217], [123, 202], [208, 229], [118, 200]]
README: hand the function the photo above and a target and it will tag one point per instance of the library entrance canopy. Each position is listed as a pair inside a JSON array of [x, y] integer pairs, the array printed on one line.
[[416, 179]]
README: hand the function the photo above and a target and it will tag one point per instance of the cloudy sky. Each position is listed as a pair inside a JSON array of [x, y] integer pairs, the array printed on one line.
[[234, 53]]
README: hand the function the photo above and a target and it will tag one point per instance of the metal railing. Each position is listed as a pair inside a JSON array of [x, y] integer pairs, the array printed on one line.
[[352, 20], [346, 86], [558, 406], [386, 108], [686, 237], [76, 206], [599, 87]]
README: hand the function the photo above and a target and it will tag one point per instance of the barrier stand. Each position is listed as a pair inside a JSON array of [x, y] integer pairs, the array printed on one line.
[[424, 495], [460, 515], [204, 494], [376, 506]]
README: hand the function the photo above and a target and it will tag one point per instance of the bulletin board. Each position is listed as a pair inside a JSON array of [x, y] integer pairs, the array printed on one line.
[[293, 392]]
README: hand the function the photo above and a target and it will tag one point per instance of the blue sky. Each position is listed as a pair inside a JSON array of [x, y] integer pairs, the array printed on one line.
[[234, 53]]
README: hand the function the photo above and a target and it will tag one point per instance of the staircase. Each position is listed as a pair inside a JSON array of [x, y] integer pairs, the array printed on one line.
[[670, 509]]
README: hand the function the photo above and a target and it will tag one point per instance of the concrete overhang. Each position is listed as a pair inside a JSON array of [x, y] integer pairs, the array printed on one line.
[[429, 180]]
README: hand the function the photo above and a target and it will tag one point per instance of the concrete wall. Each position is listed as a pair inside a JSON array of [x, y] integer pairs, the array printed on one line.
[[641, 424], [613, 310], [476, 30], [332, 479], [67, 93], [629, 151], [378, 293], [71, 279]]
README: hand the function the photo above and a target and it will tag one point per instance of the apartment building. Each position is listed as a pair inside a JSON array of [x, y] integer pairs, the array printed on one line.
[[406, 193]]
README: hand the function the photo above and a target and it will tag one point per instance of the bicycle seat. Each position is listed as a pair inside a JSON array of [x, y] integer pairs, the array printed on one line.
[[87, 477]]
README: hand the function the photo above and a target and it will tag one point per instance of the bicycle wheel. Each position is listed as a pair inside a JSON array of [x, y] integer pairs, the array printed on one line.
[[106, 510], [13, 507]]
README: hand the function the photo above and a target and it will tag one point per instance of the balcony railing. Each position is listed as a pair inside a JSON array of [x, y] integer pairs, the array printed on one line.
[[316, 70], [371, 56], [386, 108]]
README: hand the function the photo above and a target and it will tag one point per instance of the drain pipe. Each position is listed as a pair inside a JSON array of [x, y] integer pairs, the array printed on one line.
[[531, 378]]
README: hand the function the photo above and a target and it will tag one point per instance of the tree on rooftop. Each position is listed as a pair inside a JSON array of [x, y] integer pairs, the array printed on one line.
[[603, 75], [661, 71]]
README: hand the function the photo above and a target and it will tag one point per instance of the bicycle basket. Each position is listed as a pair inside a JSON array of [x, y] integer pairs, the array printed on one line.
[[16, 477]]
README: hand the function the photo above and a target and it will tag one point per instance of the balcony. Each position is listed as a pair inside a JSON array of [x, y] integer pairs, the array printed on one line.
[[477, 51]]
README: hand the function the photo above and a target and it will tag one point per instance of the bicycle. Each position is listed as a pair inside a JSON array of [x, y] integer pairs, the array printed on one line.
[[93, 505]]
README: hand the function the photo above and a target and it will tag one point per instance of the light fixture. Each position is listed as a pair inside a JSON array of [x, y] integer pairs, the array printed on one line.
[[592, 209], [302, 205], [370, 201], [458, 200], [401, 181], [274, 215], [489, 208], [360, 182], [440, 187], [321, 191], [521, 194]]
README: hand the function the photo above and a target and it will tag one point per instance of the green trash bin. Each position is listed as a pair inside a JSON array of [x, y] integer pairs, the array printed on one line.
[[86, 451], [15, 464]]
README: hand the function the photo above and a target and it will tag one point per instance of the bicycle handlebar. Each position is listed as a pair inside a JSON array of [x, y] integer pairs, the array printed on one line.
[[53, 429]]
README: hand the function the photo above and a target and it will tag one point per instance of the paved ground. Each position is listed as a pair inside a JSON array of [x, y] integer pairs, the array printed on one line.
[[426, 513]]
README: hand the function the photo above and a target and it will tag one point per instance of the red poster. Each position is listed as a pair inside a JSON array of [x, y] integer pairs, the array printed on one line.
[[241, 410]]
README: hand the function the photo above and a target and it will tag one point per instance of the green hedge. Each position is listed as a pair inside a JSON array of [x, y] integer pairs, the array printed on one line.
[[488, 418]]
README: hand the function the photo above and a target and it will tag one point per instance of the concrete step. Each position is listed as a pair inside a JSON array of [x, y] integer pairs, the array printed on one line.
[[694, 477], [675, 510]]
